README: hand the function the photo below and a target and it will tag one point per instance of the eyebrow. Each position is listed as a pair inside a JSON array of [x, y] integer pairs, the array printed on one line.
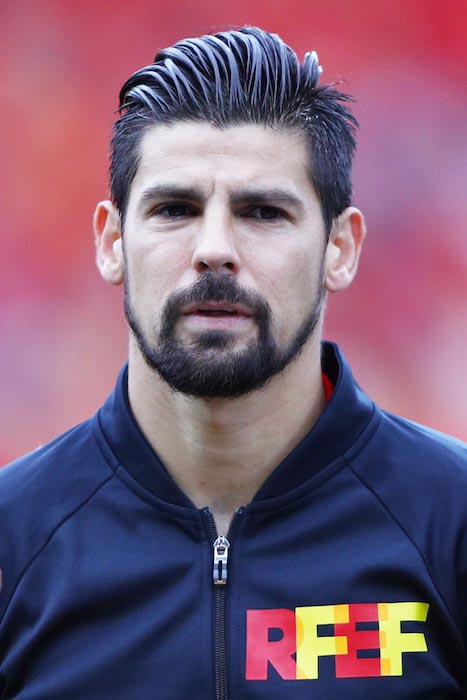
[[271, 196], [268, 196], [169, 192]]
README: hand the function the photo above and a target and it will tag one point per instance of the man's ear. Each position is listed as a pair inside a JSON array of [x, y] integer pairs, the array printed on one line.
[[108, 240], [343, 249]]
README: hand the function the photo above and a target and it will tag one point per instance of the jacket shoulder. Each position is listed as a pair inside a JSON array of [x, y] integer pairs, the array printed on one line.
[[420, 478], [414, 469], [39, 491], [432, 454]]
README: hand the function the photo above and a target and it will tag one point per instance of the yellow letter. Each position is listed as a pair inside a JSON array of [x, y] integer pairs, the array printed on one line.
[[393, 642], [309, 646]]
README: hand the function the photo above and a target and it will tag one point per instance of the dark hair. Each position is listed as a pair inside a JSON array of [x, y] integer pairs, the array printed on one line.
[[247, 76]]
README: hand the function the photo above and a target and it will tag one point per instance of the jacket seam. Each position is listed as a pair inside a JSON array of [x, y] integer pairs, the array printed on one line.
[[141, 492], [99, 435], [334, 467], [48, 539], [411, 540]]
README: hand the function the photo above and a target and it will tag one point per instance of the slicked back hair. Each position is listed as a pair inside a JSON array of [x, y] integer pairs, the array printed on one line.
[[246, 76]]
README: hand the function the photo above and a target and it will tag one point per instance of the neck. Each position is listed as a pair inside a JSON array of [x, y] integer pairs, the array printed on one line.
[[220, 451]]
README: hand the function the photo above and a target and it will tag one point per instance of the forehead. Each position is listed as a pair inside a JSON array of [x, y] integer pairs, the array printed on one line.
[[199, 153]]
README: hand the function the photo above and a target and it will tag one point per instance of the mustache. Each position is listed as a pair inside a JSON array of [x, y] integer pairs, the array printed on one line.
[[213, 287]]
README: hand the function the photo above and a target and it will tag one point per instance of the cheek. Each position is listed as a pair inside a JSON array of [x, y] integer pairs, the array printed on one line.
[[156, 266], [293, 277], [293, 288]]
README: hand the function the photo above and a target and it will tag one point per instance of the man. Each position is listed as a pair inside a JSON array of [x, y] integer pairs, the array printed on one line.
[[238, 520]]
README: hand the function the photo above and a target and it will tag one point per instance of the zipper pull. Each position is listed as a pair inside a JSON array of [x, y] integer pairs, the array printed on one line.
[[221, 554]]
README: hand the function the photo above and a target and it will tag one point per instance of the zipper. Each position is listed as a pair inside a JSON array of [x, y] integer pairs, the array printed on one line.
[[221, 547], [221, 556]]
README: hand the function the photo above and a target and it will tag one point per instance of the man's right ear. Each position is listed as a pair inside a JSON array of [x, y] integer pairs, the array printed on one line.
[[108, 241]]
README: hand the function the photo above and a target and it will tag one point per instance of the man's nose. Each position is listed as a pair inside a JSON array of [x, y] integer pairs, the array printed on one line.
[[215, 245]]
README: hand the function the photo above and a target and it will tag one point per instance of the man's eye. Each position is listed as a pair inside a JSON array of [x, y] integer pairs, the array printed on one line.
[[265, 213], [173, 211]]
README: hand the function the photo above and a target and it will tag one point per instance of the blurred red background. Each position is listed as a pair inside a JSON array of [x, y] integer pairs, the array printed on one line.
[[403, 324]]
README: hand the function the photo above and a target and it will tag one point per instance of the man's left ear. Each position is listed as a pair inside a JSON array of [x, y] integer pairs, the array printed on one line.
[[343, 249]]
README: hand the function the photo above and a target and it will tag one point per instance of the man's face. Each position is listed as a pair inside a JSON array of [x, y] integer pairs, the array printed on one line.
[[223, 246]]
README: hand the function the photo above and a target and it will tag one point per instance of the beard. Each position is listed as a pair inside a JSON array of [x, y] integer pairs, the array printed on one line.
[[209, 366]]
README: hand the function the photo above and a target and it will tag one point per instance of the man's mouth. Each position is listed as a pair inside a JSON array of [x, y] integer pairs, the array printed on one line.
[[216, 315], [215, 309], [216, 312]]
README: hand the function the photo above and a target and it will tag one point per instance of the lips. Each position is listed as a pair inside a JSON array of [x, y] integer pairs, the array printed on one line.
[[216, 308], [216, 312]]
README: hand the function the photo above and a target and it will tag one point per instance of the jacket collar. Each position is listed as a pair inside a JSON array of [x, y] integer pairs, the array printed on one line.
[[346, 415]]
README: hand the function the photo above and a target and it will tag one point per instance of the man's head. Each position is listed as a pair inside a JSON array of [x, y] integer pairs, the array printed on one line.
[[239, 77], [230, 217]]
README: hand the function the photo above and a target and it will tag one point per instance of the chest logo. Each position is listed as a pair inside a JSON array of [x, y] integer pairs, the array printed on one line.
[[366, 639]]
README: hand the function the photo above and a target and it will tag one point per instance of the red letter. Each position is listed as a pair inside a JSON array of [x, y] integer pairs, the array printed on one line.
[[349, 665], [259, 650]]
